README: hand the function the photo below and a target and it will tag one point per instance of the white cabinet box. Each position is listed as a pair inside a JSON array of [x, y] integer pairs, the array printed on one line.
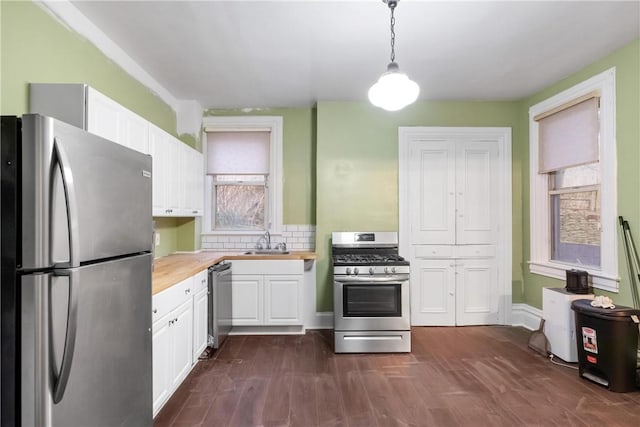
[[179, 315], [172, 314], [178, 176], [178, 170], [268, 293], [560, 324], [200, 313]]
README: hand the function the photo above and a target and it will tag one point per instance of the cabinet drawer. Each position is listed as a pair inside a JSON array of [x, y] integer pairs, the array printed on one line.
[[264, 267], [475, 251], [434, 251], [171, 298], [200, 281]]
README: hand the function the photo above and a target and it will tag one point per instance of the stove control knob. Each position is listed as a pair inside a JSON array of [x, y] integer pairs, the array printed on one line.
[[371, 270], [348, 271], [393, 270], [356, 271], [386, 270]]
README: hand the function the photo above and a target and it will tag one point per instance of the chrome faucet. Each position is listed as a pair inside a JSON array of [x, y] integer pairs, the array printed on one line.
[[267, 239]]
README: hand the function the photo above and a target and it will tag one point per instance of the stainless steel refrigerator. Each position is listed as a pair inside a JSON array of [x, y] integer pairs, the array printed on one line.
[[76, 278]]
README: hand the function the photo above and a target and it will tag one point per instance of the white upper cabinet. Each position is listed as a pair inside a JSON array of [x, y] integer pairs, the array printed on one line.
[[135, 132], [454, 191], [104, 116], [112, 121], [158, 147], [178, 170], [178, 177], [194, 199]]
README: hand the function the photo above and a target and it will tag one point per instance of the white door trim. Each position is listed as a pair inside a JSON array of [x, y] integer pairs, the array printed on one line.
[[406, 135]]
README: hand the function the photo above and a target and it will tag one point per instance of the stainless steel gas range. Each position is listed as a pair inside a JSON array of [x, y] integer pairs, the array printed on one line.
[[370, 293]]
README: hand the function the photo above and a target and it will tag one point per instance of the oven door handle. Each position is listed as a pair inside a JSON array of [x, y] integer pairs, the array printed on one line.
[[371, 279]]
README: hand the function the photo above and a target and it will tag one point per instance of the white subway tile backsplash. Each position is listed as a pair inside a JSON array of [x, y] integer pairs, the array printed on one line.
[[296, 237]]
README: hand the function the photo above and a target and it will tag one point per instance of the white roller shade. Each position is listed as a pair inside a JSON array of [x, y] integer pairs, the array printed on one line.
[[238, 153], [569, 135]]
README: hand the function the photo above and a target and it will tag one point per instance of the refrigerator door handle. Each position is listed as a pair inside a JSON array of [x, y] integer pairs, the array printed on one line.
[[71, 203], [60, 383]]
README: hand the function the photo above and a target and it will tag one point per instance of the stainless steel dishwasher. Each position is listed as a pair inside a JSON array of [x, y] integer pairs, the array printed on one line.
[[219, 304]]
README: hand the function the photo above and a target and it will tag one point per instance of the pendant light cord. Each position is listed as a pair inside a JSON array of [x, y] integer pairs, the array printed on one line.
[[392, 6]]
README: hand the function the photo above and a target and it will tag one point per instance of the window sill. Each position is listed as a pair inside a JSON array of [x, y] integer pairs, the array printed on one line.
[[558, 271]]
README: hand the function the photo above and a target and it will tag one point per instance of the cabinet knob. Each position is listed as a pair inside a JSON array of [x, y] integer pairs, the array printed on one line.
[[187, 291], [155, 310]]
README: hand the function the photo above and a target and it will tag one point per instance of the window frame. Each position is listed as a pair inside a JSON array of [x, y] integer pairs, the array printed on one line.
[[606, 277], [274, 184]]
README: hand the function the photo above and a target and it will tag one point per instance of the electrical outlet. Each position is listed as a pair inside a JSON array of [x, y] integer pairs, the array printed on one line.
[[157, 239]]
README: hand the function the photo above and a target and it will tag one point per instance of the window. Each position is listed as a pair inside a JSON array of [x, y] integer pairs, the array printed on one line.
[[573, 182], [244, 162]]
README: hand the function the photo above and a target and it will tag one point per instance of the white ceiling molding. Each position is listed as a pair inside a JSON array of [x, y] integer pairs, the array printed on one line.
[[69, 15]]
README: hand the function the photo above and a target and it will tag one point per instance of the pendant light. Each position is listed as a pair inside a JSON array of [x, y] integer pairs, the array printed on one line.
[[393, 90]]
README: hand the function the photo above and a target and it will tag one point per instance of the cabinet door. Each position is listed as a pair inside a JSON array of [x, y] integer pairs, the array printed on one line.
[[283, 300], [159, 148], [195, 183], [104, 116], [199, 323], [247, 300], [182, 351], [476, 292], [476, 192], [162, 375], [175, 176], [433, 292], [432, 192], [135, 131]]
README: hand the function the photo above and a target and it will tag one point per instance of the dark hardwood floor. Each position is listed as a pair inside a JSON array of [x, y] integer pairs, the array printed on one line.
[[469, 376]]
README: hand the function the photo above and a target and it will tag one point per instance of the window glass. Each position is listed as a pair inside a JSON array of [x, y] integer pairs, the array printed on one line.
[[239, 202], [575, 222]]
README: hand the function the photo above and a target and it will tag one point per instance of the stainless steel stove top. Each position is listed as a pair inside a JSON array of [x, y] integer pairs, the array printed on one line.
[[367, 253]]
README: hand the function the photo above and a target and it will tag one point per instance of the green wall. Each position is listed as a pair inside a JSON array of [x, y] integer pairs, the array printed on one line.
[[340, 158], [357, 169], [627, 63], [35, 47], [299, 145]]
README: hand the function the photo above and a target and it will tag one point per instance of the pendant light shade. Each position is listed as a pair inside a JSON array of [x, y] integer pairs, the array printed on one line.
[[393, 90]]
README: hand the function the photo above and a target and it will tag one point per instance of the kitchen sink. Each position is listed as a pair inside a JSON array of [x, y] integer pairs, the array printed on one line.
[[266, 252]]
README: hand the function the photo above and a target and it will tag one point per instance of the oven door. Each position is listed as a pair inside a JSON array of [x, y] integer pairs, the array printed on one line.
[[371, 303]]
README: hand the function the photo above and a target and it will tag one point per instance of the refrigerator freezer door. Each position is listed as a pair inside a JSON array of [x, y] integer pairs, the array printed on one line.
[[109, 373], [83, 196]]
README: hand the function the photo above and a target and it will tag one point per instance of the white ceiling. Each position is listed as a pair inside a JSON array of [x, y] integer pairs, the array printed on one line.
[[235, 54]]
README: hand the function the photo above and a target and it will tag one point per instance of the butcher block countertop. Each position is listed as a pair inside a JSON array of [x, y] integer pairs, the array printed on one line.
[[172, 269]]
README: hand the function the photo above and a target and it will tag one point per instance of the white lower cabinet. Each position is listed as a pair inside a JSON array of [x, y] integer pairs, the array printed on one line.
[[179, 316], [162, 342], [172, 360], [247, 299], [182, 355], [456, 285], [268, 292], [283, 300], [200, 314]]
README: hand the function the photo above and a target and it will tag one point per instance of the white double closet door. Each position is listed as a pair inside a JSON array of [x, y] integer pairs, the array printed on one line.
[[451, 214]]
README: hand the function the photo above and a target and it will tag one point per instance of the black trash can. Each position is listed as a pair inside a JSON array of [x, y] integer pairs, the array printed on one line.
[[607, 342]]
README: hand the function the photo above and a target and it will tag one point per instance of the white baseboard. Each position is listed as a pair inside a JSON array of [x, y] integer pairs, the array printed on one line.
[[320, 320], [526, 316]]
